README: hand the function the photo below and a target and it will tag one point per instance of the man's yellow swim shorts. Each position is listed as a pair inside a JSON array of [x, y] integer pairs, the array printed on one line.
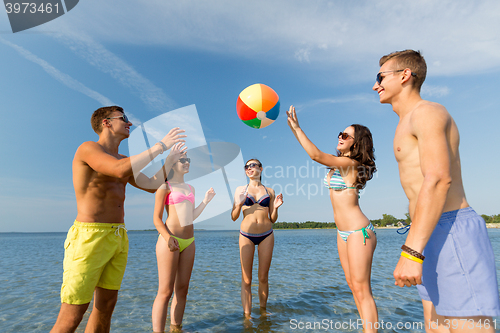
[[95, 256]]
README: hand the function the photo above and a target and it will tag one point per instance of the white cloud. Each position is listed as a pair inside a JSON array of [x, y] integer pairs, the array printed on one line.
[[434, 91], [325, 101], [302, 55], [456, 36], [58, 75], [104, 60]]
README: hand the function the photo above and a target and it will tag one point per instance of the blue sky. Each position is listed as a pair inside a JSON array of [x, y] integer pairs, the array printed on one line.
[[151, 57]]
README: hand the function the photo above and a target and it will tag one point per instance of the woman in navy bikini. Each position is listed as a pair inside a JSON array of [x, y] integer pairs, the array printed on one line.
[[348, 172], [175, 247], [260, 210]]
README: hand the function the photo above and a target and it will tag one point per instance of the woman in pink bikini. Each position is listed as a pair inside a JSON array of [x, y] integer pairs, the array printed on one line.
[[175, 247]]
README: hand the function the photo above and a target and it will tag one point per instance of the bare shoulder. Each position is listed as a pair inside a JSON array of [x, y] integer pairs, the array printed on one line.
[[240, 188], [163, 187], [270, 191], [429, 110], [89, 145], [86, 148], [429, 115], [162, 192]]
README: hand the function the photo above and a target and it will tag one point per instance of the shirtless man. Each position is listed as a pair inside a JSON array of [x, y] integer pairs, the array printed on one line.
[[96, 247], [456, 279]]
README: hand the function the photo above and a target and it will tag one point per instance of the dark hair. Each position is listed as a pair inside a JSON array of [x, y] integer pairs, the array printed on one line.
[[362, 151], [408, 59], [100, 114], [260, 164], [171, 172]]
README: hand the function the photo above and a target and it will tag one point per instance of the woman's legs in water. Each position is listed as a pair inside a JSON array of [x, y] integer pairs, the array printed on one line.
[[265, 251], [184, 269], [358, 258], [167, 270], [344, 262], [247, 250]]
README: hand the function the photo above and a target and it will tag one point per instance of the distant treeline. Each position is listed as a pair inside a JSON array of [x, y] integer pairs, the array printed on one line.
[[491, 218], [304, 225], [387, 220]]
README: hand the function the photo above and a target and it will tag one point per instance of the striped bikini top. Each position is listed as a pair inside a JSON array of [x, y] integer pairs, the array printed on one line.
[[336, 182]]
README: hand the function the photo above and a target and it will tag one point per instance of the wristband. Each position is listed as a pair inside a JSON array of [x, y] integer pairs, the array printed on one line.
[[409, 256], [412, 252], [162, 146]]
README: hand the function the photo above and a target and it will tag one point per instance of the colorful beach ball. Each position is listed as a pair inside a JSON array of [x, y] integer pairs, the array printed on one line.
[[258, 105]]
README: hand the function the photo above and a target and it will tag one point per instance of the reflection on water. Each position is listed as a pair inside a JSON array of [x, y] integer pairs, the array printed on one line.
[[307, 285]]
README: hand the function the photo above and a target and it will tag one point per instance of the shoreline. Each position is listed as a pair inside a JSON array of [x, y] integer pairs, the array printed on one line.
[[488, 226]]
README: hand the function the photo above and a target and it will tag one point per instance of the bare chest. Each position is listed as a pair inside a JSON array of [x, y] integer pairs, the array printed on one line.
[[405, 144]]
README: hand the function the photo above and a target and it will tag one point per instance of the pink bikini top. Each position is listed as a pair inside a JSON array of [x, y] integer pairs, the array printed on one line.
[[175, 197]]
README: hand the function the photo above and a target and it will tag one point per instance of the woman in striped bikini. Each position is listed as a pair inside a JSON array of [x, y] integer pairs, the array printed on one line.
[[256, 229], [175, 247], [356, 239]]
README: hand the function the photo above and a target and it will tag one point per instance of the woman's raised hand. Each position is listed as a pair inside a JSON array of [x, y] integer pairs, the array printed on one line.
[[177, 150], [278, 201], [293, 122], [209, 196], [173, 137], [240, 196]]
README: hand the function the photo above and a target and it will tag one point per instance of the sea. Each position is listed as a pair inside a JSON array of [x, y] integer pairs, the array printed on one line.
[[308, 292]]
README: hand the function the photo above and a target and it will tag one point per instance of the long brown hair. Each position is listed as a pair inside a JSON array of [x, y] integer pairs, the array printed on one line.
[[362, 151]]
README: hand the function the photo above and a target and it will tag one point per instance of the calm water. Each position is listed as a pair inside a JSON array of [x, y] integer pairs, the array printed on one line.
[[306, 284]]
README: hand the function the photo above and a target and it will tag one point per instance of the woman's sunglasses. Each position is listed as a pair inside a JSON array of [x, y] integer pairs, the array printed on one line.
[[122, 117], [344, 136], [252, 165], [184, 160]]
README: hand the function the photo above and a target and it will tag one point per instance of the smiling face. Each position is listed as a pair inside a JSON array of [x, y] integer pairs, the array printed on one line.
[[182, 165], [389, 78], [253, 169], [118, 122], [344, 145]]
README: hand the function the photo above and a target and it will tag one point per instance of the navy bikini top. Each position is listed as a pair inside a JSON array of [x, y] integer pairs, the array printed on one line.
[[263, 201]]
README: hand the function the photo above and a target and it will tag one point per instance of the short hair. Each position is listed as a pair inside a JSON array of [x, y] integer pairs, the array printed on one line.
[[100, 114], [409, 59]]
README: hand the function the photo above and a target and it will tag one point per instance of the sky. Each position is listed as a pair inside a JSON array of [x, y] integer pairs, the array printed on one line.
[[152, 57]]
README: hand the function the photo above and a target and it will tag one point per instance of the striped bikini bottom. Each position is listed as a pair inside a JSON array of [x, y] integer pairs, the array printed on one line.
[[345, 234]]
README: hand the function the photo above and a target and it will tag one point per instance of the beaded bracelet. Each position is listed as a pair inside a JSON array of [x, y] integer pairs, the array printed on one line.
[[409, 256], [412, 252]]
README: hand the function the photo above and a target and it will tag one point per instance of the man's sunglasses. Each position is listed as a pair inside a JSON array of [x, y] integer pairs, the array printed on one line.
[[380, 77], [123, 117], [344, 136], [184, 160], [252, 165]]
